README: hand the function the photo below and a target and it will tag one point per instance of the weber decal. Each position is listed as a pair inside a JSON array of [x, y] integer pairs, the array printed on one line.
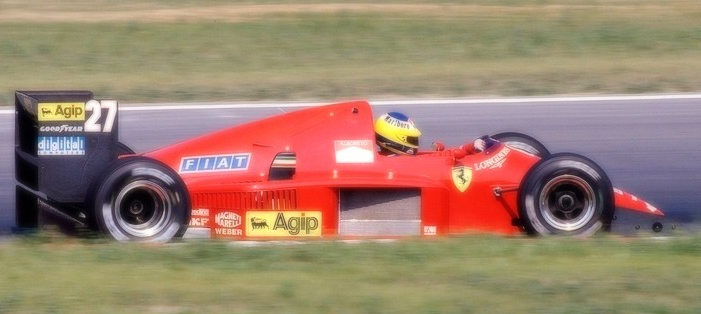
[[72, 111], [214, 163], [60, 145], [227, 219], [283, 224], [227, 223]]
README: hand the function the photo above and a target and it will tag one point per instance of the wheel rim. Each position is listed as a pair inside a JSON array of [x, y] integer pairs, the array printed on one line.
[[143, 209], [567, 203]]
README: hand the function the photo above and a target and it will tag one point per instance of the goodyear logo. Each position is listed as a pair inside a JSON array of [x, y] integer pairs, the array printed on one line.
[[68, 111], [61, 128], [232, 162], [283, 224]]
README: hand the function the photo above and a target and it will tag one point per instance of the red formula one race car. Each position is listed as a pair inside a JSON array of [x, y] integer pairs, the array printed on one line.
[[311, 173]]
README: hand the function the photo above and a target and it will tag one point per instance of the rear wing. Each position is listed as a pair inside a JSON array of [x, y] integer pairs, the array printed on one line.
[[63, 139]]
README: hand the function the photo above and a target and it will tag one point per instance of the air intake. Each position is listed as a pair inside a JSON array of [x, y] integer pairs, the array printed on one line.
[[272, 200]]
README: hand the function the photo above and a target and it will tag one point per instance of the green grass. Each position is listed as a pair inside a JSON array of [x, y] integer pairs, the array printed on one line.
[[474, 274], [407, 49], [447, 49]]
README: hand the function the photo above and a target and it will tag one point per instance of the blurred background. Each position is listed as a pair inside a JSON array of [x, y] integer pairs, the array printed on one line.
[[162, 50], [155, 51]]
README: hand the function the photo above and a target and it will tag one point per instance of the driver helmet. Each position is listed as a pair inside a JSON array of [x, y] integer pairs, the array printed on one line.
[[396, 133]]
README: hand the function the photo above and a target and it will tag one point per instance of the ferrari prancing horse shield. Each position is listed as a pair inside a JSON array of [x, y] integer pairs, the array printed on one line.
[[461, 177]]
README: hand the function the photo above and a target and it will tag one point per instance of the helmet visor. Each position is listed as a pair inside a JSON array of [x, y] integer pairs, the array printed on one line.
[[413, 140]]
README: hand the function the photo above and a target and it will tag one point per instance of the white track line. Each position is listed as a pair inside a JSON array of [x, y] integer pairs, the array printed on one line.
[[408, 102]]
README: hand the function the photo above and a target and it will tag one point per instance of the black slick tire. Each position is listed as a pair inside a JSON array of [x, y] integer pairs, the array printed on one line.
[[566, 194], [140, 199], [523, 143]]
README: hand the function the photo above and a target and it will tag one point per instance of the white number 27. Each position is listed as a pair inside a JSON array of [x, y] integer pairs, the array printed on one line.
[[92, 123]]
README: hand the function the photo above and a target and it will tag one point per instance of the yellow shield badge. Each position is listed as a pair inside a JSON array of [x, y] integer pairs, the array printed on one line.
[[461, 177]]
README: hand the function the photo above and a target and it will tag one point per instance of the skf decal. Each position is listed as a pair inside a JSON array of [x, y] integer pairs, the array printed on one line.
[[70, 111], [232, 162], [494, 162], [199, 217], [283, 224], [199, 221], [354, 151], [200, 212], [462, 176]]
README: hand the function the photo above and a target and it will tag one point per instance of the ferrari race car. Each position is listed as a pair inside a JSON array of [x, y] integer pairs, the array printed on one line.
[[309, 173]]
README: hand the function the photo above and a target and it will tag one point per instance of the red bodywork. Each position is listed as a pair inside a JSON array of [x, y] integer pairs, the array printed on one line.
[[317, 172]]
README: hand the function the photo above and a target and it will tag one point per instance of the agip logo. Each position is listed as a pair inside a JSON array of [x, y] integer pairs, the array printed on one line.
[[69, 111], [283, 224]]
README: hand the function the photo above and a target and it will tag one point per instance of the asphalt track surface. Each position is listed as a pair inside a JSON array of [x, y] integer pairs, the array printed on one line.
[[650, 145]]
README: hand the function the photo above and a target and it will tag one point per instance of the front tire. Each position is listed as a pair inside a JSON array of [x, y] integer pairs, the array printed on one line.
[[566, 194], [140, 199], [523, 143]]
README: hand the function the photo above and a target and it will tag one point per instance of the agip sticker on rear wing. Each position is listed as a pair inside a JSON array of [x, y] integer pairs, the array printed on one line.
[[77, 117], [61, 111]]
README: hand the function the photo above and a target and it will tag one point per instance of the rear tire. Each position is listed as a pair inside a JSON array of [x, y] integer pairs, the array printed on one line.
[[523, 143], [140, 199], [566, 194]]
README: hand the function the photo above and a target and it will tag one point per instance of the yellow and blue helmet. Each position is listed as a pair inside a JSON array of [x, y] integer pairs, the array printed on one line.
[[396, 133]]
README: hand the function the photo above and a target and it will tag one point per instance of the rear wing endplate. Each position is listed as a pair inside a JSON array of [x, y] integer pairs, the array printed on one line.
[[63, 139]]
